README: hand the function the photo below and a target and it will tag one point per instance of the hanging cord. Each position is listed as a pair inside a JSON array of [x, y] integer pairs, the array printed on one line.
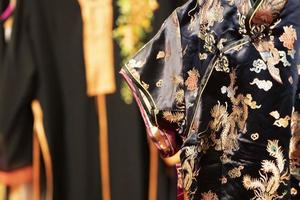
[[104, 148], [153, 171], [39, 130]]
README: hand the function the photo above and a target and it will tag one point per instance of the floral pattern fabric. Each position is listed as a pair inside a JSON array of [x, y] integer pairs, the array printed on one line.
[[220, 83]]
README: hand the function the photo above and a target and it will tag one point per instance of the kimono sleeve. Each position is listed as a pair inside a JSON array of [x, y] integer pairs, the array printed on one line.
[[154, 75]]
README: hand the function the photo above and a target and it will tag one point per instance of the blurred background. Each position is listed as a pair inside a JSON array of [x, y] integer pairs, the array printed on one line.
[[69, 128]]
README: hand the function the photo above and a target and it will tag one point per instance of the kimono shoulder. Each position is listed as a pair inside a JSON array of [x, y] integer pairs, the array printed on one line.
[[154, 76]]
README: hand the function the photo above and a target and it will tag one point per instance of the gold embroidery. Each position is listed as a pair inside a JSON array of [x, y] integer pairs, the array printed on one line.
[[231, 89], [294, 191], [258, 65], [132, 67], [204, 144], [179, 97], [249, 101], [192, 80], [221, 42], [225, 158], [280, 122], [173, 116], [283, 59], [180, 177], [189, 168], [229, 124], [135, 64], [222, 64], [235, 172], [271, 56], [211, 12], [242, 23], [230, 2], [243, 6], [145, 85], [272, 174], [159, 83], [289, 37], [219, 113], [202, 56], [262, 84], [255, 136], [134, 73], [275, 73], [210, 41], [161, 54], [223, 180], [275, 114], [209, 196]]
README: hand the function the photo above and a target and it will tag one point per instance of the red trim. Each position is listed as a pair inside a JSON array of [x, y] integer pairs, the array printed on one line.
[[16, 177]]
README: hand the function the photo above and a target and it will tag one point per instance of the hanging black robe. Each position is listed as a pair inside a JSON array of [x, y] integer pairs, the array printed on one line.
[[44, 61]]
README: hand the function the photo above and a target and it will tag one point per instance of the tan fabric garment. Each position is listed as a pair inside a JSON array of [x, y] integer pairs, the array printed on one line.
[[98, 46]]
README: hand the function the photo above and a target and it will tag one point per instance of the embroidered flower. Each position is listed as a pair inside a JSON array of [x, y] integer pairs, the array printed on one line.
[[179, 97], [268, 11], [173, 117], [288, 37], [192, 80], [235, 172], [209, 196], [294, 191], [247, 181], [264, 15]]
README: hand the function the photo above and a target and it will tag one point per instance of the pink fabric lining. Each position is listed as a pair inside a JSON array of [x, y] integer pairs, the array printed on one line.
[[7, 12], [146, 119], [180, 190]]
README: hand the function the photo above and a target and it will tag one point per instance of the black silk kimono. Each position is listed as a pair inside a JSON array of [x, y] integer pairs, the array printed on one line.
[[219, 83]]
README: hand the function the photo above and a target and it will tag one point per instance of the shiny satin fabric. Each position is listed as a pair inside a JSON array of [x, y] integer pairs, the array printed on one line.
[[220, 83]]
